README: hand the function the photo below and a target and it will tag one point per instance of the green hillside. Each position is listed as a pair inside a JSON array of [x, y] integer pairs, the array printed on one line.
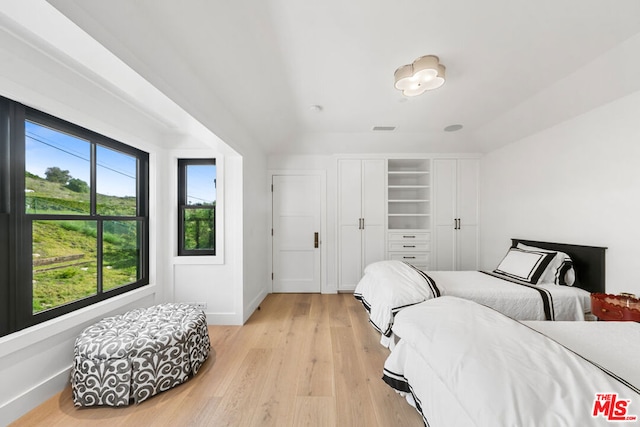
[[65, 252], [50, 197]]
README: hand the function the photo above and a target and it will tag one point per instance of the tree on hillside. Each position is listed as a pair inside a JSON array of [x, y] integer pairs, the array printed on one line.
[[55, 174], [78, 185]]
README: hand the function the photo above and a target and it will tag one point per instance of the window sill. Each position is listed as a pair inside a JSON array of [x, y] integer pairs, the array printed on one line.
[[199, 260], [24, 338]]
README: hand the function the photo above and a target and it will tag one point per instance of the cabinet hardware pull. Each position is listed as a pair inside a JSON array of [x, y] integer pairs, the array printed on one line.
[[408, 246], [408, 257], [363, 223], [315, 239], [408, 237]]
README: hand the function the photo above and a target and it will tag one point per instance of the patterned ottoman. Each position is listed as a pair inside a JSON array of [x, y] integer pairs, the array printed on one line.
[[138, 354]]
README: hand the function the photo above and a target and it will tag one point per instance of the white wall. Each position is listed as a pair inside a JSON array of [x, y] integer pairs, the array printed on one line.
[[256, 205], [213, 280], [35, 362], [577, 182]]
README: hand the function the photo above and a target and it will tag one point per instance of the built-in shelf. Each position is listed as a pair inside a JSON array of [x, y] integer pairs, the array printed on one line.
[[409, 211], [408, 194]]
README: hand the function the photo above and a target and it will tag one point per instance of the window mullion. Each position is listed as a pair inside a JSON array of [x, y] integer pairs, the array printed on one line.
[[92, 178], [99, 255]]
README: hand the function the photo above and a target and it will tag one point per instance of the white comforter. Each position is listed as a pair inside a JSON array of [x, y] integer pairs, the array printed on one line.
[[516, 301], [467, 365], [389, 286]]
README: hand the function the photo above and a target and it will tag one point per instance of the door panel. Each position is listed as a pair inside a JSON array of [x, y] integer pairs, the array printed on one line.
[[350, 256], [349, 192], [373, 244], [467, 247], [444, 194], [373, 192], [468, 174], [296, 217], [444, 191], [445, 251]]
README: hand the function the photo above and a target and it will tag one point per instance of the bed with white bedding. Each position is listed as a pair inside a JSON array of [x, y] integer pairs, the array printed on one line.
[[463, 364], [542, 292]]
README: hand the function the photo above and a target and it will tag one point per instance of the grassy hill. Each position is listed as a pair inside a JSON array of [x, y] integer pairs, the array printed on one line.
[[66, 251], [50, 197]]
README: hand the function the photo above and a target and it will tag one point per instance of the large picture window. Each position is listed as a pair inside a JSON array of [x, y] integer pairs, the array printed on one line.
[[79, 215], [197, 207]]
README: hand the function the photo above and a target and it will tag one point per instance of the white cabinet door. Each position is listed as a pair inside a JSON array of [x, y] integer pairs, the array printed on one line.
[[455, 214], [467, 209], [350, 266], [361, 217], [350, 192], [444, 194], [445, 249], [372, 245], [467, 248], [373, 192], [467, 191]]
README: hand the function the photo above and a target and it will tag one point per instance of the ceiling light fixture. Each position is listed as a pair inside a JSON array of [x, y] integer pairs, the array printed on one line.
[[425, 73]]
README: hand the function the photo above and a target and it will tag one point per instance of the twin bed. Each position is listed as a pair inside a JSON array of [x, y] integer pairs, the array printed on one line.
[[525, 286], [464, 364], [473, 349]]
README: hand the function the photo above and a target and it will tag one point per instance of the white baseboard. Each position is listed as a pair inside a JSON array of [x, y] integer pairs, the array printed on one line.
[[25, 402], [253, 305]]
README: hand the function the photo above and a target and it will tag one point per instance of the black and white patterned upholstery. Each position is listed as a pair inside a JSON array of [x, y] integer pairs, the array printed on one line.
[[138, 354]]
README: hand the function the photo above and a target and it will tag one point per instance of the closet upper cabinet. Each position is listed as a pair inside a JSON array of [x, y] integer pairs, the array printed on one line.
[[361, 217], [455, 194]]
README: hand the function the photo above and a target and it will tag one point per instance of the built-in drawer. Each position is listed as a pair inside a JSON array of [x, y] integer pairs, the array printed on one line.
[[399, 236], [417, 246], [415, 259]]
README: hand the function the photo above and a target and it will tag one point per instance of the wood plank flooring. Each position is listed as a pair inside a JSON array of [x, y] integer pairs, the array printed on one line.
[[301, 360]]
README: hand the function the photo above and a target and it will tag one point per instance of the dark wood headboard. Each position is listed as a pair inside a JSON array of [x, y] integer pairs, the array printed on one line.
[[588, 262]]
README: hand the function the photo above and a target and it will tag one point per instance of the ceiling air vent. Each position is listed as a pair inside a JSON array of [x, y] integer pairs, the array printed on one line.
[[377, 128]]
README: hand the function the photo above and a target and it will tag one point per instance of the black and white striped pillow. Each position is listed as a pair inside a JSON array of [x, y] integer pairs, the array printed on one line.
[[526, 266]]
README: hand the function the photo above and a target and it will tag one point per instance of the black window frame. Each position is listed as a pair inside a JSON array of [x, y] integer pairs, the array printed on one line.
[[16, 258], [183, 206]]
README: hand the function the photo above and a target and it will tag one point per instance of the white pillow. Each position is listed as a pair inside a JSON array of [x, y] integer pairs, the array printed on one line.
[[523, 265], [559, 271]]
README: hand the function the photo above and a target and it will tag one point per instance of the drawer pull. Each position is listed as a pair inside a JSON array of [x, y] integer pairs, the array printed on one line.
[[408, 237], [408, 246], [409, 257]]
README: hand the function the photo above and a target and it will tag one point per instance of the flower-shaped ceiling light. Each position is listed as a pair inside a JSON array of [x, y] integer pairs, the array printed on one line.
[[426, 73]]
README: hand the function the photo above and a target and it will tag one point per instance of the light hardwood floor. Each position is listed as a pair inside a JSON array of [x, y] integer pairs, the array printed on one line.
[[301, 360]]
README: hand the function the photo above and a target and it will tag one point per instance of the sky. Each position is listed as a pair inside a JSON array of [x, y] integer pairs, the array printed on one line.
[[116, 173], [200, 188], [45, 148]]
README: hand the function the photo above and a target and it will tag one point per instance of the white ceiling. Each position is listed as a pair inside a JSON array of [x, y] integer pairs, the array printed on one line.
[[254, 67]]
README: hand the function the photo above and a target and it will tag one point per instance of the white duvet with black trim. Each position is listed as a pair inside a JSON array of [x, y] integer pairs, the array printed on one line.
[[389, 286], [464, 364]]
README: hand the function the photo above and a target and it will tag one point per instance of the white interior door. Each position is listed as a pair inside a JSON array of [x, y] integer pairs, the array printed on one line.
[[296, 220]]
